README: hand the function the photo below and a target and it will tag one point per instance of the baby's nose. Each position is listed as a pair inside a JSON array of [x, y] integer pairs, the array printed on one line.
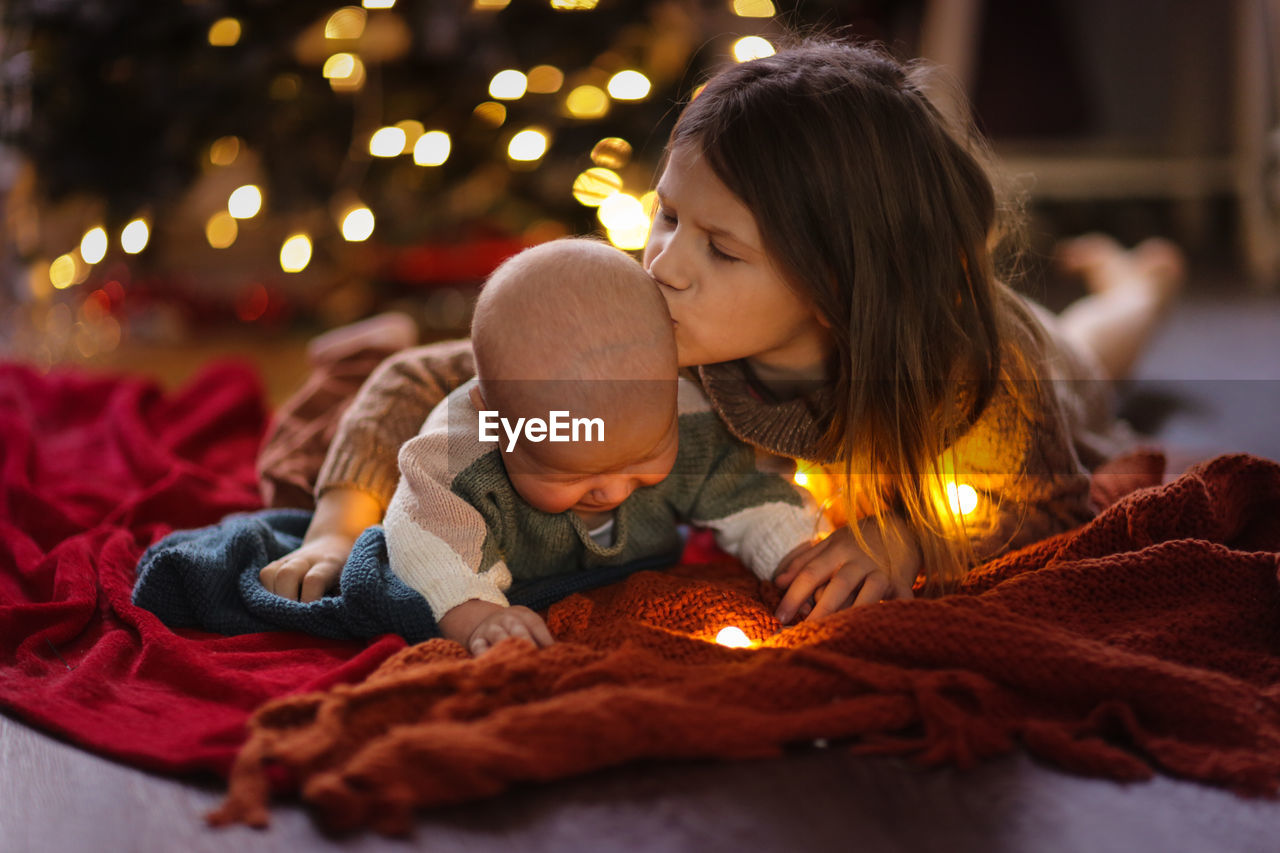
[[615, 490]]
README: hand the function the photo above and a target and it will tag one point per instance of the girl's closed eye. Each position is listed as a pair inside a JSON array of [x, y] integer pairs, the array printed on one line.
[[718, 254]]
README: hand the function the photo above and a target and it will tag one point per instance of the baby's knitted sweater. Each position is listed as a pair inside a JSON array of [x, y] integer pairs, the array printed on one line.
[[457, 529], [1030, 469]]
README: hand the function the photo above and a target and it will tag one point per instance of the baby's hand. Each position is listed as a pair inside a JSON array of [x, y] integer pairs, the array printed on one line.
[[480, 625], [836, 572], [309, 572]]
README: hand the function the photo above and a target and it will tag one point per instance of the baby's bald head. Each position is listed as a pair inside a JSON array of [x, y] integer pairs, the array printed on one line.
[[571, 314]]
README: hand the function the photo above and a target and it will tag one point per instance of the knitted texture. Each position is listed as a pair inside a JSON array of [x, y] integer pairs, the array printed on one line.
[[1144, 641]]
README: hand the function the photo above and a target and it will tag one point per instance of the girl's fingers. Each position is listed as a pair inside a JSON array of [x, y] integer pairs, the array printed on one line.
[[801, 588], [799, 561], [874, 590], [837, 592]]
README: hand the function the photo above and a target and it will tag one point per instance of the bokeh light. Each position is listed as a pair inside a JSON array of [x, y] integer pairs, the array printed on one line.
[[221, 230], [629, 86], [733, 637], [752, 47], [63, 271], [346, 23], [545, 79], [134, 236], [387, 142], [587, 102], [357, 225], [962, 498], [595, 185], [432, 148], [378, 4], [574, 5], [224, 150], [93, 245], [224, 32], [508, 85], [245, 202], [295, 254], [527, 145], [754, 8], [490, 113], [612, 152], [413, 131]]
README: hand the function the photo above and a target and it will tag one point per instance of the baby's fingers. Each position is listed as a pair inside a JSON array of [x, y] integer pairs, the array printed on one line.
[[284, 576]]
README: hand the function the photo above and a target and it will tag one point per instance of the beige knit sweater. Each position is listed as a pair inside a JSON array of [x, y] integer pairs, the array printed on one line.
[[1029, 469]]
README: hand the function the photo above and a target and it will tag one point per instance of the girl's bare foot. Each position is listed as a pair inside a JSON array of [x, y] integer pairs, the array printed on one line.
[[392, 332], [1155, 267]]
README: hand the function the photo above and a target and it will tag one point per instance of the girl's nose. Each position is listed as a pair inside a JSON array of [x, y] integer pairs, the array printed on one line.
[[665, 268]]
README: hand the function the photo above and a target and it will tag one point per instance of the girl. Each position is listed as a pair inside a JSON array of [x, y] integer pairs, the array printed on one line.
[[823, 242]]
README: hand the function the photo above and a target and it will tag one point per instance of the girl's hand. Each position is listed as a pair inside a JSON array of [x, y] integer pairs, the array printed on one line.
[[836, 572], [309, 572]]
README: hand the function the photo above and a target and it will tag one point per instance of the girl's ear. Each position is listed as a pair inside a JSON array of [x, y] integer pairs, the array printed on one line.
[[477, 399]]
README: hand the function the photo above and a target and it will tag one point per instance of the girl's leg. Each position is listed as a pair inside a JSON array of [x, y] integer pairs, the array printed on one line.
[[1129, 293]]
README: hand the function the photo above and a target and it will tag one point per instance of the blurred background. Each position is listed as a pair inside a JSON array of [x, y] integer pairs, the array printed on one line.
[[187, 180]]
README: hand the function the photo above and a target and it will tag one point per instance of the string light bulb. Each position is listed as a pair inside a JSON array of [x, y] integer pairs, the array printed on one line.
[[245, 202], [295, 254], [432, 148], [753, 8], [629, 86], [134, 237], [752, 47], [527, 145], [93, 245], [587, 101], [733, 637], [357, 224], [962, 498], [508, 85], [387, 142], [378, 4]]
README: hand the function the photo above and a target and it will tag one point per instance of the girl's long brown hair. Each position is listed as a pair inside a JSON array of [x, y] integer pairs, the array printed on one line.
[[880, 215]]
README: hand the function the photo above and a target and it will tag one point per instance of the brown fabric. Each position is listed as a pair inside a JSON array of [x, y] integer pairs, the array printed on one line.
[[1144, 641]]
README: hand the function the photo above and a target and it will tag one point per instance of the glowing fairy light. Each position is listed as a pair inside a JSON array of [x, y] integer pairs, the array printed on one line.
[[649, 202], [413, 131], [753, 8], [752, 47], [63, 271], [573, 5], [491, 113], [612, 152], [595, 185], [587, 102], [620, 211], [93, 245], [224, 32], [357, 225], [387, 142], [545, 79], [733, 637], [432, 148], [224, 150], [344, 71], [629, 86], [962, 498], [378, 4], [801, 478], [490, 5], [245, 202], [508, 85], [295, 254], [527, 146], [134, 237], [221, 230], [346, 23]]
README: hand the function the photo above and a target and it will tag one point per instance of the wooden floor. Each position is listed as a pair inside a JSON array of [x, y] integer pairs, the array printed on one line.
[[56, 798]]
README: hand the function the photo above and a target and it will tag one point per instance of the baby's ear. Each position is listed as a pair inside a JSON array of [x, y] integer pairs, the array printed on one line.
[[477, 399]]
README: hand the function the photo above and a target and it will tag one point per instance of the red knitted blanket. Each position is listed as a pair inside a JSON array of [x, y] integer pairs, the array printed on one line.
[[1143, 641]]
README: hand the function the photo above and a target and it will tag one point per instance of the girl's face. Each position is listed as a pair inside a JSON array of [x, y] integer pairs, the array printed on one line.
[[727, 299]]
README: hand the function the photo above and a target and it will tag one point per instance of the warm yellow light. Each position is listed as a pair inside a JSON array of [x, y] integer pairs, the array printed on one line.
[[508, 85], [733, 637], [595, 185], [545, 79], [339, 66], [649, 201], [629, 86], [753, 8], [62, 272], [527, 145], [432, 148], [621, 211], [611, 152], [963, 498], [225, 32], [224, 150], [346, 23], [631, 238], [387, 142], [574, 5], [221, 230], [587, 102], [357, 225], [352, 77], [295, 254], [752, 47], [93, 245], [134, 237], [801, 478], [245, 202], [490, 5], [491, 113], [378, 4], [413, 131]]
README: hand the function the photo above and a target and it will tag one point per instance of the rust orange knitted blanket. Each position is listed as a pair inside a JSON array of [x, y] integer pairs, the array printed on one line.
[[1144, 641]]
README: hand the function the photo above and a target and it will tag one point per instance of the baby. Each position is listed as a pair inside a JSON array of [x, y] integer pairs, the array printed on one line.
[[575, 447]]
